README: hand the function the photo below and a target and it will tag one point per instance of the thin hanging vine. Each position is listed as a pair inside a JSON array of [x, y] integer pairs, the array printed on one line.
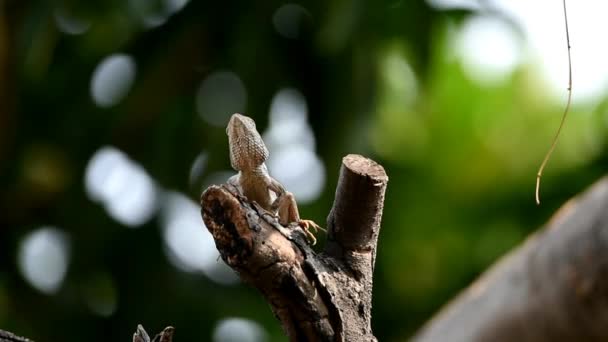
[[566, 110]]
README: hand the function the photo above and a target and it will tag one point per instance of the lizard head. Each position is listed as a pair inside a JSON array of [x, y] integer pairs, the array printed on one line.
[[247, 149]]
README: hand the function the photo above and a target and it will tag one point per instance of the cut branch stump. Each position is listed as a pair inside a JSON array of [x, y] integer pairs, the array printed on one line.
[[316, 296]]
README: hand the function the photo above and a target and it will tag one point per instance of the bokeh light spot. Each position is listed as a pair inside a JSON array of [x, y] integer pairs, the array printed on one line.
[[397, 123], [188, 243], [43, 259], [400, 83], [454, 4], [175, 6], [543, 24], [219, 96], [154, 13], [288, 121], [489, 49], [151, 13], [112, 79], [124, 188], [288, 105], [239, 329], [300, 171], [288, 20], [69, 23], [291, 143]]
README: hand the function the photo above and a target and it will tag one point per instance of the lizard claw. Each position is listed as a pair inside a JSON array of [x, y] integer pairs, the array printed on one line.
[[268, 213], [306, 225]]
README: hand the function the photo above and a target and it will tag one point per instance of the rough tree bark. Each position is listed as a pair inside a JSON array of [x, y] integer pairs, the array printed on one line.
[[552, 288], [316, 296], [6, 336], [140, 335]]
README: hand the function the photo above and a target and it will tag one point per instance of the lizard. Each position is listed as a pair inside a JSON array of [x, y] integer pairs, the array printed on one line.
[[248, 155]]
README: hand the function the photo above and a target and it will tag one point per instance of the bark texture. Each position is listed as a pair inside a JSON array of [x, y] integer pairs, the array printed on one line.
[[316, 296], [6, 336], [140, 335], [552, 288]]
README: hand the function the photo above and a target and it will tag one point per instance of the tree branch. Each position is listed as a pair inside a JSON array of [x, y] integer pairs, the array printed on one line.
[[317, 297], [552, 288], [6, 336], [141, 335]]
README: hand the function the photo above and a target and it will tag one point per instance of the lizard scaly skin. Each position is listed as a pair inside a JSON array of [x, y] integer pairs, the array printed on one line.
[[248, 155]]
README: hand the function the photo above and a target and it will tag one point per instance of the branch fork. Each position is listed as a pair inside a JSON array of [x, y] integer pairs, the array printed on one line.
[[316, 296]]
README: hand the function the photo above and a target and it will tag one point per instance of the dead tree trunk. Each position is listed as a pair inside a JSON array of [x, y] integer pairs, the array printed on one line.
[[316, 297], [552, 288]]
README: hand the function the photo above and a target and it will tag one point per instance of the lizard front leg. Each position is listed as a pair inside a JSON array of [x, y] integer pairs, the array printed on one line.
[[287, 209], [236, 189]]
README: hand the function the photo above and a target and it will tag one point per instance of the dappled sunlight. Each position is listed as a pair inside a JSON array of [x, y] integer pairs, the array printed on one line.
[[43, 258]]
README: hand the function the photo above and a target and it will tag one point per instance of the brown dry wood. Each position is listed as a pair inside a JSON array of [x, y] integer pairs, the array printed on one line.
[[141, 335], [552, 288], [316, 296], [6, 336]]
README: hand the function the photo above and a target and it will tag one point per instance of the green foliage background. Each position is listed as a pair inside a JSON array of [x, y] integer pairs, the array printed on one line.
[[379, 80]]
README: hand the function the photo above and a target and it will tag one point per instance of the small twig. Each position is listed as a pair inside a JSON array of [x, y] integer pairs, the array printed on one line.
[[165, 336], [141, 335], [7, 336], [566, 110]]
